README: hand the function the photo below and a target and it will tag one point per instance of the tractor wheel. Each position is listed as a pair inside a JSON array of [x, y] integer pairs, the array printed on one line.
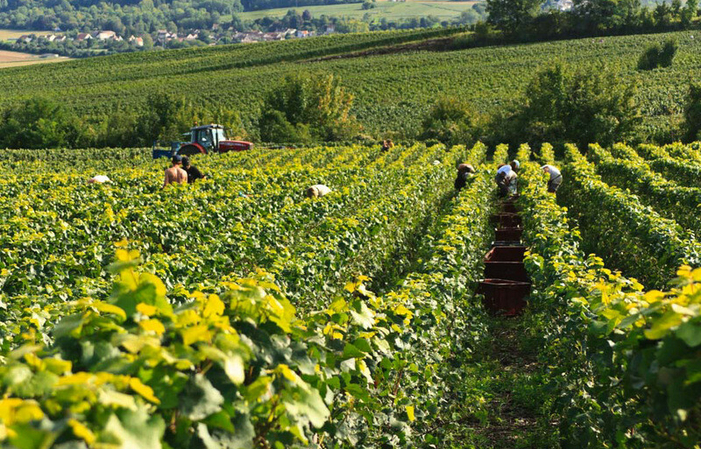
[[189, 150]]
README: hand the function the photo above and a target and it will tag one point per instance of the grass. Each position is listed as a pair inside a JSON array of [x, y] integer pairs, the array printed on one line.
[[444, 10], [17, 59]]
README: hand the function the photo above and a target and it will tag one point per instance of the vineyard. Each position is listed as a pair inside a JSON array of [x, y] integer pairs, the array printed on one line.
[[395, 82], [236, 312]]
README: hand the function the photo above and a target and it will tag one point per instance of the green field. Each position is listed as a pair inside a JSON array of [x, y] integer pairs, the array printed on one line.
[[393, 91], [444, 10]]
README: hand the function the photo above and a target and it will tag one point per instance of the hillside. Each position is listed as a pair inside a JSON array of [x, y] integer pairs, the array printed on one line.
[[394, 82]]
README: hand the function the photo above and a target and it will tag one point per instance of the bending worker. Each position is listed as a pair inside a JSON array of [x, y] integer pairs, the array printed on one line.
[[317, 191], [465, 174], [506, 178], [555, 177]]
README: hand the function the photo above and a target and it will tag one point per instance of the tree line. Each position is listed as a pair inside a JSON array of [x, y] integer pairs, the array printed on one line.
[[559, 105], [539, 19]]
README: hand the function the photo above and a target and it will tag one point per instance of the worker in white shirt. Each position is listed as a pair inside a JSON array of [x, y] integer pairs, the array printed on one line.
[[317, 191], [555, 177], [506, 179], [99, 179]]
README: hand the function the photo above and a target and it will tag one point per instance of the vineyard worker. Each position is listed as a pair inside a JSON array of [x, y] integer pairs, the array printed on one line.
[[99, 179], [317, 191], [555, 177], [193, 173], [465, 174], [175, 174], [506, 180], [513, 185]]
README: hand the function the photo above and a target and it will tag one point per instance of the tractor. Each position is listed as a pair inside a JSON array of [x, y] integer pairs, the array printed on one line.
[[203, 139]]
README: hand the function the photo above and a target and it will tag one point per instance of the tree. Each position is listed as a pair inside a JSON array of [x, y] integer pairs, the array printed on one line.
[[38, 123], [148, 42], [689, 13], [450, 121], [166, 117], [589, 106], [596, 16], [692, 112], [510, 16], [307, 108]]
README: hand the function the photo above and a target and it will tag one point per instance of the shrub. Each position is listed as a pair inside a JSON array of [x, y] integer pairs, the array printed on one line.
[[450, 121], [658, 56], [692, 112], [305, 109], [583, 107]]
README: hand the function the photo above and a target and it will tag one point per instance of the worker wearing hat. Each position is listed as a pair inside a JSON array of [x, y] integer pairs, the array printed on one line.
[[465, 173], [175, 174]]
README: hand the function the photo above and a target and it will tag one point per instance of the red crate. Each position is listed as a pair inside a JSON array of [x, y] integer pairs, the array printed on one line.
[[508, 234], [504, 297]]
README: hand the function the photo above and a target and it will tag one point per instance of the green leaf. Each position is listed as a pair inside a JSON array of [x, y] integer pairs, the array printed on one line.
[[29, 437], [690, 333], [131, 429], [351, 352], [662, 325], [306, 403], [364, 317], [199, 398]]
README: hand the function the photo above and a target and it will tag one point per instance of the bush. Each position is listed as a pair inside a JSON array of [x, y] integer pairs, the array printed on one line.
[[451, 122], [692, 112], [658, 56], [38, 123], [581, 107], [305, 109]]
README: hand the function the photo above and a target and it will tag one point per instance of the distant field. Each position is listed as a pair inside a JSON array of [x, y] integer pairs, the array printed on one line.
[[14, 34], [390, 10], [16, 59]]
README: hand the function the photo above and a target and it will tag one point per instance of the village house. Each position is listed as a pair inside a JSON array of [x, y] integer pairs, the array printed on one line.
[[83, 37], [138, 41], [25, 38]]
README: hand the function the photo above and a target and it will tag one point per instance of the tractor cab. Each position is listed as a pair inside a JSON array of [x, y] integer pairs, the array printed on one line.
[[211, 138], [208, 136]]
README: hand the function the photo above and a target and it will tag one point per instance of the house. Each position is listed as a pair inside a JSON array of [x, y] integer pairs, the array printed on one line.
[[565, 5], [248, 38], [83, 37], [60, 39], [25, 38], [138, 41], [106, 35], [50, 37], [273, 36], [192, 36], [304, 33], [330, 29], [165, 36]]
